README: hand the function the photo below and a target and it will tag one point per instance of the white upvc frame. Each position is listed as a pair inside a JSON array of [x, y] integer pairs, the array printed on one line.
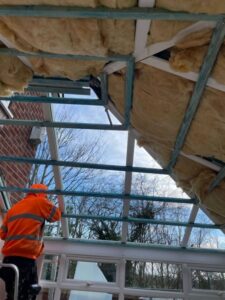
[[97, 259], [53, 148], [189, 259], [5, 106]]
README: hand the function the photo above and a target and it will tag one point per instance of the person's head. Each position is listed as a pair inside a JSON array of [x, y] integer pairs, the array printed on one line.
[[39, 186]]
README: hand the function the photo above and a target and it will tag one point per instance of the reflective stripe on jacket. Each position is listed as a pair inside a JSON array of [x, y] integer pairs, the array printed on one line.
[[23, 224]]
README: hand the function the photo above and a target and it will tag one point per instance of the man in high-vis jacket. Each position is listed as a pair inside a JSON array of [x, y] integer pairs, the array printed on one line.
[[22, 232]]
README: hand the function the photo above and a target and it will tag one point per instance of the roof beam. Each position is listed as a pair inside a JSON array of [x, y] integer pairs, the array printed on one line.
[[100, 195], [133, 13], [207, 67], [54, 162], [55, 100], [50, 124], [14, 52], [143, 221]]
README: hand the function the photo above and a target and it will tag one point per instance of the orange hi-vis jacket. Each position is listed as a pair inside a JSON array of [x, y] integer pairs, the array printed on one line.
[[23, 225]]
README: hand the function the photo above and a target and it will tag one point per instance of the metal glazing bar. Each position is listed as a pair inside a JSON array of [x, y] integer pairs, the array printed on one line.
[[54, 152], [48, 124], [100, 195], [217, 180], [59, 82], [128, 183], [63, 90], [103, 13], [14, 52], [104, 87], [188, 230], [142, 221], [207, 67], [129, 91], [55, 100], [75, 164]]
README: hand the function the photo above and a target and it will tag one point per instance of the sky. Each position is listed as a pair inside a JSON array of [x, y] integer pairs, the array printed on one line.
[[114, 152]]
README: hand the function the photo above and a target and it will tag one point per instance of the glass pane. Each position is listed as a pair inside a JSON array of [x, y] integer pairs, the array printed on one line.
[[80, 295], [155, 185], [208, 280], [94, 228], [153, 275], [92, 271], [207, 238], [50, 268], [155, 234]]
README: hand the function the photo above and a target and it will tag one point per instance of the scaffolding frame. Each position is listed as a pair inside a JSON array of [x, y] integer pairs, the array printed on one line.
[[143, 14]]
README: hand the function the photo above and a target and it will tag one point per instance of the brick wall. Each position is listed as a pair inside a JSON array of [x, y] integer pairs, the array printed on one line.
[[14, 141]]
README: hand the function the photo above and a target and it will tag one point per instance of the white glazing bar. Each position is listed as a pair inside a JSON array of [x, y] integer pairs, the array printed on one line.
[[122, 274], [158, 47], [53, 148], [163, 65], [202, 161], [188, 230], [128, 182], [142, 28], [5, 106], [62, 264], [186, 272]]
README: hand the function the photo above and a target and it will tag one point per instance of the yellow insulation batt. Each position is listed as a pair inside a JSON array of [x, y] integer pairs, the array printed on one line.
[[188, 54], [14, 75], [160, 101], [193, 6], [68, 36], [213, 201]]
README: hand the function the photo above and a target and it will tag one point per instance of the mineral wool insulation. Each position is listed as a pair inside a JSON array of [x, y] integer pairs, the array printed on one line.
[[160, 99]]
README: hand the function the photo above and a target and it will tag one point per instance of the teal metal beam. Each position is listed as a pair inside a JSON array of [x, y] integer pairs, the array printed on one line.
[[13, 189], [217, 180], [14, 52], [63, 90], [207, 67], [104, 88], [104, 13], [59, 82], [73, 164], [54, 100], [142, 221], [129, 91], [49, 124]]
